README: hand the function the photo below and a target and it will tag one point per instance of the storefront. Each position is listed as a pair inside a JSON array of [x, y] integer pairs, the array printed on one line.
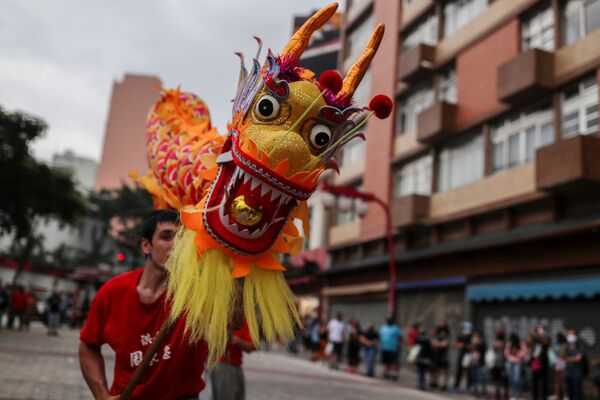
[[431, 301], [559, 303], [368, 302]]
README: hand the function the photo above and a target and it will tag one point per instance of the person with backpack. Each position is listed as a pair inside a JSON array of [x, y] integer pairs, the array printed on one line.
[[575, 368]]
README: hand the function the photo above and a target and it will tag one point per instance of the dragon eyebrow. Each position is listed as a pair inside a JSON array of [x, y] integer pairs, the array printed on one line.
[[297, 122]]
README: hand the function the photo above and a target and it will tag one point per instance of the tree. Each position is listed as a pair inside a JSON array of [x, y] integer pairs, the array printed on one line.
[[117, 216], [30, 190]]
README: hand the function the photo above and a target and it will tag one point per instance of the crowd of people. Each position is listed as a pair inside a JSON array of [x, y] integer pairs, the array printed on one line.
[[506, 368], [19, 307]]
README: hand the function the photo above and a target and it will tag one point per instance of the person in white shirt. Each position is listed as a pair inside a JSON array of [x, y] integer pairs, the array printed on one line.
[[336, 332]]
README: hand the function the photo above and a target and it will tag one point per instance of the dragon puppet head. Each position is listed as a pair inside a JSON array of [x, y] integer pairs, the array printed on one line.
[[239, 195]]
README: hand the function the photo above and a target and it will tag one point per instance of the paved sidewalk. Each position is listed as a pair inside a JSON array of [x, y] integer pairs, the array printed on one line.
[[36, 366]]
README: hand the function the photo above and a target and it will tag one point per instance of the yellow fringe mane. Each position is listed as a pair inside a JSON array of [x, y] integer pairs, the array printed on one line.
[[200, 288]]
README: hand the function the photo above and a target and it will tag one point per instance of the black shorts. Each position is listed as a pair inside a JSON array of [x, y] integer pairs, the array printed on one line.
[[389, 357], [337, 348]]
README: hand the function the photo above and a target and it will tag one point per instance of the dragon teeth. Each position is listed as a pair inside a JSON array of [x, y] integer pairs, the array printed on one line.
[[275, 194], [264, 190], [255, 183]]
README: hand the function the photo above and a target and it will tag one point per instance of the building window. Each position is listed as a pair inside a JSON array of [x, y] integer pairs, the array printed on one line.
[[414, 177], [581, 18], [410, 105], [537, 29], [516, 137], [358, 39], [363, 92], [457, 13], [448, 92], [353, 152], [461, 162], [425, 32], [345, 210], [580, 108]]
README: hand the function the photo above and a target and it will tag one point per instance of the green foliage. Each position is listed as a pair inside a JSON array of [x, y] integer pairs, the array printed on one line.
[[31, 189]]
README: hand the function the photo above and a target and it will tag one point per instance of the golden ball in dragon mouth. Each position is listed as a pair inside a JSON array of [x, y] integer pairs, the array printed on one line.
[[243, 213]]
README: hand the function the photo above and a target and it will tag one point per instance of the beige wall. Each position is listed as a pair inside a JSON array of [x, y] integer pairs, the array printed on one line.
[[494, 188], [350, 173], [577, 57], [339, 234], [124, 146], [407, 144]]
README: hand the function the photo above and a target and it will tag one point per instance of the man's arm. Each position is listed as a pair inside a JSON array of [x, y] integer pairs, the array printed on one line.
[[92, 368], [245, 345]]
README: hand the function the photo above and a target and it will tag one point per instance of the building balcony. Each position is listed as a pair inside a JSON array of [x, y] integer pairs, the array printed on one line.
[[416, 63], [527, 76], [409, 210], [568, 163], [436, 123]]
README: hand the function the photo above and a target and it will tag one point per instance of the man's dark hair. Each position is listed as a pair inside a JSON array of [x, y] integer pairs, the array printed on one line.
[[152, 221]]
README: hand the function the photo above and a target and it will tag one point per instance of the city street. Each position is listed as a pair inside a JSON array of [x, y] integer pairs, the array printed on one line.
[[36, 366]]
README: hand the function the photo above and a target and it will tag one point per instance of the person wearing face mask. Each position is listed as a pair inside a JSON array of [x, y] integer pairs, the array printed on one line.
[[574, 367]]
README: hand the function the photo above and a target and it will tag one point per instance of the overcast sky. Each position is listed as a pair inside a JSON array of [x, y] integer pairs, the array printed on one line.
[[59, 58]]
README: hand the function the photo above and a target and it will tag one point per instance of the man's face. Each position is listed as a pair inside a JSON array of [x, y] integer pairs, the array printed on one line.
[[162, 243]]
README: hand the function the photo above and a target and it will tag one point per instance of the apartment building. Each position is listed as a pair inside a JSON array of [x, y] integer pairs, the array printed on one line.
[[491, 166], [124, 146]]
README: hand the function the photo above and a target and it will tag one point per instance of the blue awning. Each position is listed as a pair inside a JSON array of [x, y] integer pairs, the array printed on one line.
[[431, 283], [545, 289]]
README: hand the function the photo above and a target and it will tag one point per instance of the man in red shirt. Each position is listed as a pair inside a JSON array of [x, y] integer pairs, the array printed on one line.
[[127, 313], [227, 378], [18, 304]]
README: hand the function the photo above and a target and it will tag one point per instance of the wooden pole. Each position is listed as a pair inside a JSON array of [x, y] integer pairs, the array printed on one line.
[[139, 372]]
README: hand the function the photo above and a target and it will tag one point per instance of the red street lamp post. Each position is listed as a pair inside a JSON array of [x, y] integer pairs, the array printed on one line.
[[371, 198]]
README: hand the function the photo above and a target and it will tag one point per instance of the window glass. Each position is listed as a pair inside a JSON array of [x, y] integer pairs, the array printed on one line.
[[448, 91], [592, 16], [516, 137], [425, 32], [580, 107], [537, 29], [358, 38], [457, 13], [414, 177], [461, 162], [410, 106]]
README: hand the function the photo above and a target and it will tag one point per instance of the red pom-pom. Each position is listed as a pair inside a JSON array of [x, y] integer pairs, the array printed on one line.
[[381, 105], [332, 80]]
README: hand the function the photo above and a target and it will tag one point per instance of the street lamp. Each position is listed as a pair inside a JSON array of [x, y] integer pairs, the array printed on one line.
[[348, 192]]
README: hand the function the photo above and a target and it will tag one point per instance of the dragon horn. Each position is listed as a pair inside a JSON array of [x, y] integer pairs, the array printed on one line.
[[358, 70], [298, 43]]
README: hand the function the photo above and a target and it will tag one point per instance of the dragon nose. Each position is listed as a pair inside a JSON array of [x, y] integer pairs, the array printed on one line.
[[282, 145]]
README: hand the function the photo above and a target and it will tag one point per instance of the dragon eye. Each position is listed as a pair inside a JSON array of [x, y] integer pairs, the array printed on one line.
[[320, 135], [267, 107]]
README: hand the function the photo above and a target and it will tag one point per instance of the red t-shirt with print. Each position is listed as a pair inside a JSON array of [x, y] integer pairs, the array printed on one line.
[[118, 318]]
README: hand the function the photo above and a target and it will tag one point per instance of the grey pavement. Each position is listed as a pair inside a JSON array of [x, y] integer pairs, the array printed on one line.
[[36, 366]]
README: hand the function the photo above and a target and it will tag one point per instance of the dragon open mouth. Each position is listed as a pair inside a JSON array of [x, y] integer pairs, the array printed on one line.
[[248, 206]]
